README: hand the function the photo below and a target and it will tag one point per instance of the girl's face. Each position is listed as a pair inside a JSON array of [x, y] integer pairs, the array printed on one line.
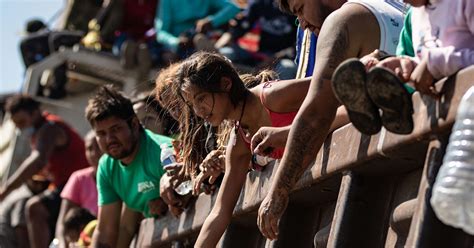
[[213, 107]]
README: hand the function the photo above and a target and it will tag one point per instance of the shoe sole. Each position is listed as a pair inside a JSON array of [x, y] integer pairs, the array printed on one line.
[[388, 93], [348, 84]]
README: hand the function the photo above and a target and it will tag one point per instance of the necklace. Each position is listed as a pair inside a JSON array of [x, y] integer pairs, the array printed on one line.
[[237, 123]]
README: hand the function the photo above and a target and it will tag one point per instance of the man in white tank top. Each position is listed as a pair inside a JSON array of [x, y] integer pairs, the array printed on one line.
[[345, 30]]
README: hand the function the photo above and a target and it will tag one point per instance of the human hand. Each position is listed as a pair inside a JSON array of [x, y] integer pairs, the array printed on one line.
[[270, 212], [167, 192], [157, 207], [198, 183], [268, 138], [211, 167], [176, 173], [203, 26], [214, 162], [402, 66], [373, 58], [423, 79]]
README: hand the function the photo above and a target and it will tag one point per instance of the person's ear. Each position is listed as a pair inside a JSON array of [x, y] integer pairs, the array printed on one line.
[[226, 84], [135, 124]]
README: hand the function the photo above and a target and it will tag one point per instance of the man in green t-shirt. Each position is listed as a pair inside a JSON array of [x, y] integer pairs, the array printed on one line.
[[129, 171]]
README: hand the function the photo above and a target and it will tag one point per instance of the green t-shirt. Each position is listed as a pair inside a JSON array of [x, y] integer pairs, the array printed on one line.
[[405, 46], [137, 183]]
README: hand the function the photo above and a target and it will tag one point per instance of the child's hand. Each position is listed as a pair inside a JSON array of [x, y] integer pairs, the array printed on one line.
[[372, 59], [211, 167], [423, 80], [214, 162], [403, 67]]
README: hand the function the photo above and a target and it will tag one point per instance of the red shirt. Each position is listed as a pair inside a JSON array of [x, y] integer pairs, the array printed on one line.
[[138, 17], [64, 160], [277, 119]]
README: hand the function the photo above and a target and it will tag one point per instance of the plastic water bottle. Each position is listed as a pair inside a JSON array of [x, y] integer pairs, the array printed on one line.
[[261, 160], [453, 191], [184, 188], [167, 155]]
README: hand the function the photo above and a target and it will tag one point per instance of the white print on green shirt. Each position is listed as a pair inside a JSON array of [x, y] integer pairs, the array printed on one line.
[[144, 187]]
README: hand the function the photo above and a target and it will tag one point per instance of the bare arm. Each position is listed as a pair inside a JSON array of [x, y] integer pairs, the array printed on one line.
[[314, 118], [48, 138], [287, 95], [66, 205], [237, 161], [129, 222], [106, 233]]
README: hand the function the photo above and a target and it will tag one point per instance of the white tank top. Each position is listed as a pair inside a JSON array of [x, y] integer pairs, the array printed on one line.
[[389, 14]]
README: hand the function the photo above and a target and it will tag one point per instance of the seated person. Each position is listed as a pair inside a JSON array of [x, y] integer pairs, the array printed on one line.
[[13, 231], [129, 173], [277, 38], [57, 150], [177, 21], [126, 27], [75, 221], [443, 46], [80, 190]]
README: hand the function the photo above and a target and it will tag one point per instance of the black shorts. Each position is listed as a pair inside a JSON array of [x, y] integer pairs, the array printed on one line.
[[51, 199]]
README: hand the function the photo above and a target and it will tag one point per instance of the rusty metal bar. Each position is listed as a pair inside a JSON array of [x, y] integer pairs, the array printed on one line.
[[371, 159], [362, 210]]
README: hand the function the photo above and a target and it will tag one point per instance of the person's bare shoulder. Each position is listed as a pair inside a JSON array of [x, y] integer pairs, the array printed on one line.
[[362, 26], [350, 31]]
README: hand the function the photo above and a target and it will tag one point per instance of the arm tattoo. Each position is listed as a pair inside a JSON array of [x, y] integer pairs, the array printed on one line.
[[305, 141], [336, 50], [308, 133]]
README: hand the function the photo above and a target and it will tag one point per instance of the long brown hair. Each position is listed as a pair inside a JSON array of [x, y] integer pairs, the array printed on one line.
[[205, 70]]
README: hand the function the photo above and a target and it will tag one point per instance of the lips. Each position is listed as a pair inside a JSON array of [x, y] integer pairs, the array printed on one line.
[[114, 146]]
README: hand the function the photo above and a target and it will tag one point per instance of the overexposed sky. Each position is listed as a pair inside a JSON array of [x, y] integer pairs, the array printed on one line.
[[13, 17]]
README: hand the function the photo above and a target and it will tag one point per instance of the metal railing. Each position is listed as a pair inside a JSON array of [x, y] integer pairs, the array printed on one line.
[[361, 191]]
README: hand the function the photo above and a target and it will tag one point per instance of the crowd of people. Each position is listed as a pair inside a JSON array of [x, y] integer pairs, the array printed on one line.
[[357, 62]]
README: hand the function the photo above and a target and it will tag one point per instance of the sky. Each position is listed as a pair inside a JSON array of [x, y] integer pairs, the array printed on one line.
[[13, 16]]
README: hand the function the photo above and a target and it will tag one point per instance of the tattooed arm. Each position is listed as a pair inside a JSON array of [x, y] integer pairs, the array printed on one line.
[[340, 38]]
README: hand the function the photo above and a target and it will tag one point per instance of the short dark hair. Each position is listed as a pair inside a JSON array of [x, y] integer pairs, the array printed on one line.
[[20, 102], [77, 218], [284, 6], [109, 102]]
